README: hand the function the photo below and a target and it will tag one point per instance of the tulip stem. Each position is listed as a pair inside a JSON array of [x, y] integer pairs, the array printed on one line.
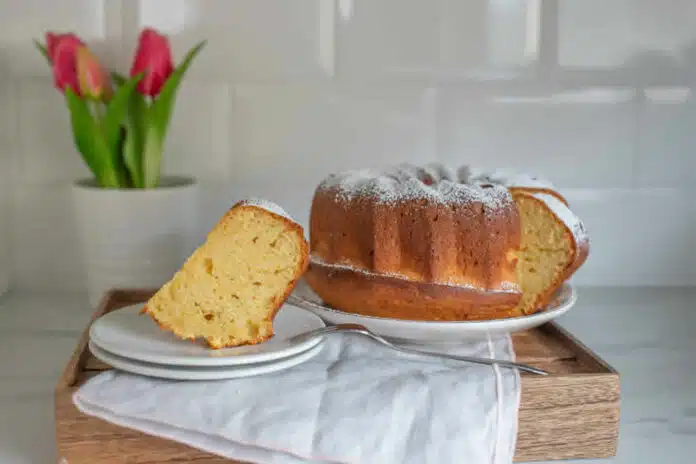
[[98, 111]]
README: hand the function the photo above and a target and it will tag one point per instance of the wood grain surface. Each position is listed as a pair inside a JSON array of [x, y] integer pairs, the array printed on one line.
[[571, 414]]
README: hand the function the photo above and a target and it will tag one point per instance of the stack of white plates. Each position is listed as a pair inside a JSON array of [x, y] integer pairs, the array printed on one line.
[[132, 342]]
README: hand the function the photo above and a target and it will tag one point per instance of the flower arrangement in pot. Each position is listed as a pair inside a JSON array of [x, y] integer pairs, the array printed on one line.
[[135, 224], [119, 132]]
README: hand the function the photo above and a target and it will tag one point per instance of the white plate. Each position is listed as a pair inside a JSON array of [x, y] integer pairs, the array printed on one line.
[[129, 334], [164, 371], [406, 331]]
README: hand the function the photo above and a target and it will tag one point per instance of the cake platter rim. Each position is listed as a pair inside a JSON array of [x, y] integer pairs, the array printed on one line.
[[436, 331]]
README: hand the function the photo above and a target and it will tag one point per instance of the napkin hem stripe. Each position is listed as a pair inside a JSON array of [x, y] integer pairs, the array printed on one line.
[[512, 355], [498, 400]]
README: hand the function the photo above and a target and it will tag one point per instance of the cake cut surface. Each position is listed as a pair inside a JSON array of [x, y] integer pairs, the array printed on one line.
[[230, 289], [554, 244]]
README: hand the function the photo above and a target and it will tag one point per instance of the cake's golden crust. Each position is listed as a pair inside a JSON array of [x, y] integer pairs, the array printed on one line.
[[458, 244], [299, 271], [443, 255], [396, 298]]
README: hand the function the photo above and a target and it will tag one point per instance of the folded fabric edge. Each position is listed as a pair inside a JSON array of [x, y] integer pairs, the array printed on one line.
[[198, 440], [243, 451]]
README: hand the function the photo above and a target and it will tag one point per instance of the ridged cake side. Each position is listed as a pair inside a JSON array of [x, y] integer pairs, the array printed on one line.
[[383, 243]]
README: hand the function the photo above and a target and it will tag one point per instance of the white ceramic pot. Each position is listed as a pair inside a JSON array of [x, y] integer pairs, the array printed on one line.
[[134, 238]]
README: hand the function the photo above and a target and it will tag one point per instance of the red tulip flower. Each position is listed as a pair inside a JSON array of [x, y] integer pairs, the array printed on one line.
[[93, 80], [153, 58], [53, 40], [62, 51]]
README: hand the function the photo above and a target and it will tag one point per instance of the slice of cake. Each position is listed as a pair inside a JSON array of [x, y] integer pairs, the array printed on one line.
[[554, 245], [229, 290]]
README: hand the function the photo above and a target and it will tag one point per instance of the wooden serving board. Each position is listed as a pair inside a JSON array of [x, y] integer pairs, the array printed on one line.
[[571, 414]]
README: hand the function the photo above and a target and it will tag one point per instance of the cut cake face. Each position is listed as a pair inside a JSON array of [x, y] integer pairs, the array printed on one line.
[[554, 245], [230, 289]]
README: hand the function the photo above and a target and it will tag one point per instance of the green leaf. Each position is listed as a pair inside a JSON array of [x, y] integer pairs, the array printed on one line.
[[82, 125], [152, 156], [133, 144], [43, 50], [164, 102], [116, 112], [115, 118], [90, 141], [132, 155], [118, 78], [125, 179], [135, 132], [158, 119]]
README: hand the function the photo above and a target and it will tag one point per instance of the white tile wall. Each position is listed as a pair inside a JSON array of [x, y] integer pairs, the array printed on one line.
[[46, 255], [599, 34], [638, 236], [201, 149], [5, 231], [261, 40], [29, 19], [298, 133], [288, 91], [583, 138], [665, 156], [48, 155], [388, 38], [6, 184]]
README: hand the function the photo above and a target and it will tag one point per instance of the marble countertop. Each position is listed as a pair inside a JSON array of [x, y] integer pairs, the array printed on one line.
[[645, 333]]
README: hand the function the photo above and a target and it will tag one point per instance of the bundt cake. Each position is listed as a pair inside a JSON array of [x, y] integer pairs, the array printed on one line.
[[229, 290], [428, 243]]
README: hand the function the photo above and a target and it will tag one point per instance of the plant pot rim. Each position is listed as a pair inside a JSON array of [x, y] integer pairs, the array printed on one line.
[[167, 183]]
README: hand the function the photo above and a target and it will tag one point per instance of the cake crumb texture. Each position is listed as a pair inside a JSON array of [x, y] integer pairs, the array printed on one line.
[[229, 290], [554, 244]]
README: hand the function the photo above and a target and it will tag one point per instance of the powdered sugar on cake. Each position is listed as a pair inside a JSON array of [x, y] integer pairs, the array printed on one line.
[[509, 178], [268, 206], [405, 182], [574, 224]]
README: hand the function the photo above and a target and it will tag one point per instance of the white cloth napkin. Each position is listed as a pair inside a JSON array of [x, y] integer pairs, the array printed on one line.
[[354, 402]]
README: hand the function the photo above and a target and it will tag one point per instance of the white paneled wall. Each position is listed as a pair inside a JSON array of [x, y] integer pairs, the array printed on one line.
[[595, 95], [583, 138], [6, 184], [599, 34]]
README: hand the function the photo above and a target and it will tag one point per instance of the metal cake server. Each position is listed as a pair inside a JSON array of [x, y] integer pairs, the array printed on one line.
[[362, 330]]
